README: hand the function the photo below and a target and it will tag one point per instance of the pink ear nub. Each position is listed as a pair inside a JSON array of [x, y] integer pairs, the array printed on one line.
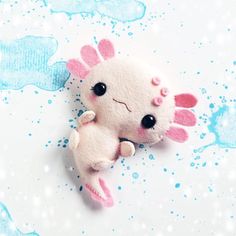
[[89, 55], [185, 100], [185, 117], [106, 49], [177, 134], [76, 68]]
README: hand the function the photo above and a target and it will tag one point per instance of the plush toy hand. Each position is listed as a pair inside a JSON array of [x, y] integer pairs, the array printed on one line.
[[127, 149], [86, 117], [102, 165], [74, 139]]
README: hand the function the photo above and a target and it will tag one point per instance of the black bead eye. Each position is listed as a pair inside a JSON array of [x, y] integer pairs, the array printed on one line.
[[148, 121], [99, 89]]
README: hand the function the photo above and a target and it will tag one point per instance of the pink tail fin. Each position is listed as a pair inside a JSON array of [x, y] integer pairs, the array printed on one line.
[[106, 202]]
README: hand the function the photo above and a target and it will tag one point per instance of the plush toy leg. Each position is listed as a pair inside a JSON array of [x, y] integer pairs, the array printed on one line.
[[102, 165], [127, 149], [99, 191], [86, 117], [74, 139]]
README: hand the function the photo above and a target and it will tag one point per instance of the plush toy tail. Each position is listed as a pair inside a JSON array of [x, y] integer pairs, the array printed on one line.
[[99, 191]]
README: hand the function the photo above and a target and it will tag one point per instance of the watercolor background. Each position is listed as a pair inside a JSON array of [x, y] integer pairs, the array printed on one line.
[[169, 189]]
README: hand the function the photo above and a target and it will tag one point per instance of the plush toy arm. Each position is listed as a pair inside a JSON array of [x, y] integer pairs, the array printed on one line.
[[127, 149], [86, 117]]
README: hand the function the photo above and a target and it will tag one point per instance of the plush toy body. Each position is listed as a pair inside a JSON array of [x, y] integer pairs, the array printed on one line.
[[126, 100], [96, 148]]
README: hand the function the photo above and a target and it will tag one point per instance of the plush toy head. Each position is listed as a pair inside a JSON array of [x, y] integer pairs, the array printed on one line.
[[131, 98]]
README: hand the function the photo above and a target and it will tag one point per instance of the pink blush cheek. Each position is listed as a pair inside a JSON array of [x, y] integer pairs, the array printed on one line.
[[92, 98], [142, 133]]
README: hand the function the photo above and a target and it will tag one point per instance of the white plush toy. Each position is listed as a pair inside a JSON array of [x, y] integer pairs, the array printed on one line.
[[128, 101]]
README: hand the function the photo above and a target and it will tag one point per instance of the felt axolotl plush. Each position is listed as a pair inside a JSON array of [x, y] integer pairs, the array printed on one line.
[[127, 103]]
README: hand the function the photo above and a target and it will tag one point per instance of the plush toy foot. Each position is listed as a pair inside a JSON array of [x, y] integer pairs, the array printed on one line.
[[104, 198], [127, 149], [102, 165], [74, 140], [86, 117]]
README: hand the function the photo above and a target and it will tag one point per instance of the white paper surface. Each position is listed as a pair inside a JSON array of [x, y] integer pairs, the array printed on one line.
[[169, 189]]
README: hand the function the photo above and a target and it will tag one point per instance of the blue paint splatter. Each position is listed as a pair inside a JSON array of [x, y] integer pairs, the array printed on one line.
[[177, 185], [211, 106], [223, 126], [7, 226], [151, 157], [119, 10], [25, 62], [210, 189], [135, 175], [141, 146], [80, 113], [62, 142]]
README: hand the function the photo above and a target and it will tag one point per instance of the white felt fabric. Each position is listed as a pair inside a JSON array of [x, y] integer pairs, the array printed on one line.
[[117, 114], [130, 82]]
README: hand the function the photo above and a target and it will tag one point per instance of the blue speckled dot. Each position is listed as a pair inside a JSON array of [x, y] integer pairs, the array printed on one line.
[[80, 113], [211, 105], [135, 175], [151, 157], [141, 145], [177, 185]]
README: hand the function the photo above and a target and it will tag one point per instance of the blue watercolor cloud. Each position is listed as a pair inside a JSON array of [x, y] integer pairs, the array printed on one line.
[[119, 10], [7, 226], [25, 62], [223, 126]]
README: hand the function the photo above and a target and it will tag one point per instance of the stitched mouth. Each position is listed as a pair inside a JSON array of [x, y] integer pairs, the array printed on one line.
[[122, 103]]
